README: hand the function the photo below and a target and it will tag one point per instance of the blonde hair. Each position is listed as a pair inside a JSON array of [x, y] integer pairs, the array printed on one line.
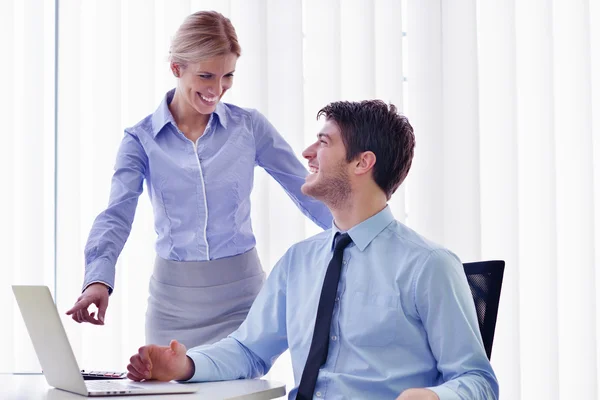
[[203, 35]]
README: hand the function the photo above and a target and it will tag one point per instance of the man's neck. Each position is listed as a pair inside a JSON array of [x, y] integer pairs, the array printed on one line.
[[357, 209]]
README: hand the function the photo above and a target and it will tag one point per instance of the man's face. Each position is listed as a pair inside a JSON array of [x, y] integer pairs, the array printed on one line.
[[329, 178]]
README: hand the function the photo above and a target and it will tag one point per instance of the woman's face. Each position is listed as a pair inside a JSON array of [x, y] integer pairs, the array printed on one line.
[[203, 84]]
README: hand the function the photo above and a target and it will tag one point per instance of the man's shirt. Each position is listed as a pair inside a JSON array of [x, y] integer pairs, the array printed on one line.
[[404, 318], [200, 191]]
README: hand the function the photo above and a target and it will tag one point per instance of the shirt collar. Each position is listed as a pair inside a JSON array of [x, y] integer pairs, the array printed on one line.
[[364, 233], [163, 115]]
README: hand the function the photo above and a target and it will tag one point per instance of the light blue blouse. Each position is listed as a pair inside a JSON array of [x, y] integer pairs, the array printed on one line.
[[200, 192]]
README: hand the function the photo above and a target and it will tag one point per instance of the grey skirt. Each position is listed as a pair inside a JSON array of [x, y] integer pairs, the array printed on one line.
[[201, 302]]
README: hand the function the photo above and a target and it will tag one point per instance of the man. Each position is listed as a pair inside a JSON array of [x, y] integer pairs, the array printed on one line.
[[368, 309]]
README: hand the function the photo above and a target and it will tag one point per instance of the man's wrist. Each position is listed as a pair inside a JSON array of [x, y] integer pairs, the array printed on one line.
[[190, 369], [418, 394]]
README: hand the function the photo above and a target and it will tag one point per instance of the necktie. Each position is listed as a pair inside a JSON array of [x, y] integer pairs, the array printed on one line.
[[317, 355]]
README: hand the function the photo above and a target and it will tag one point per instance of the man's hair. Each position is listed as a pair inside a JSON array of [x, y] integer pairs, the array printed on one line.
[[373, 125]]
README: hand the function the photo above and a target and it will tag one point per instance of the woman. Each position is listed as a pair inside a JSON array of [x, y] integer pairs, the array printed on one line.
[[197, 156]]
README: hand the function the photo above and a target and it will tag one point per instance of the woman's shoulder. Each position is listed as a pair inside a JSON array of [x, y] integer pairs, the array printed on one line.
[[241, 114], [142, 127], [154, 122]]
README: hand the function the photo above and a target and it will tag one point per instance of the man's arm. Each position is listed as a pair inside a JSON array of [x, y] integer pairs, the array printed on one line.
[[446, 308], [418, 394], [251, 350]]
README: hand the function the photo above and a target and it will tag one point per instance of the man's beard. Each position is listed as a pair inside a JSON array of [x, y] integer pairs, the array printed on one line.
[[333, 189]]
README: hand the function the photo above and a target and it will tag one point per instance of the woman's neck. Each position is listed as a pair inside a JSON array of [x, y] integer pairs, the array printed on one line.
[[189, 121], [186, 115]]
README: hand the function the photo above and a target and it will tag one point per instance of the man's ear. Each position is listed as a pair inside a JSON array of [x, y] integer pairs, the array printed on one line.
[[365, 162]]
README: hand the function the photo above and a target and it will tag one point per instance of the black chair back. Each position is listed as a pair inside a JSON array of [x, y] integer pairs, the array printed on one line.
[[485, 281]]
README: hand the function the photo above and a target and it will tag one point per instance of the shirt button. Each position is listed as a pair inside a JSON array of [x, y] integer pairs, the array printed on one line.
[[334, 338], [318, 394], [337, 298]]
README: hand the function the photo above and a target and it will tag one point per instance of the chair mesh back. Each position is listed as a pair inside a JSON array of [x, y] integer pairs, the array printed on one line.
[[479, 284], [485, 281]]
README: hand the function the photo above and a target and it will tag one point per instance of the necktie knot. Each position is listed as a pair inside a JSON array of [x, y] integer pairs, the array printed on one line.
[[342, 241]]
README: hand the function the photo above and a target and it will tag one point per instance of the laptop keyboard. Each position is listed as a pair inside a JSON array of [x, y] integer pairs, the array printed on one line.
[[94, 375]]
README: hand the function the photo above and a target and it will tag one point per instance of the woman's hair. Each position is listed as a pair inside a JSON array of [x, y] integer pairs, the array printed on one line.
[[203, 35]]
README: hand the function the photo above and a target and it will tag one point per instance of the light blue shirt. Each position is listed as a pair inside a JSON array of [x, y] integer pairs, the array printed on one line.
[[200, 192], [404, 318]]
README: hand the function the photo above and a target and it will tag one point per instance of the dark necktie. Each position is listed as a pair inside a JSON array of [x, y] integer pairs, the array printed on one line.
[[317, 355]]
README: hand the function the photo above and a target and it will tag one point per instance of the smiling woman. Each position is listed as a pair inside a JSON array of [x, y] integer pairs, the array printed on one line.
[[201, 87], [203, 56], [197, 156]]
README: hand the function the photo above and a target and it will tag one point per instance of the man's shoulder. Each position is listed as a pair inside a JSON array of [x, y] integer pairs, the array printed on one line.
[[417, 251], [408, 237], [317, 240], [406, 241], [309, 246], [301, 253]]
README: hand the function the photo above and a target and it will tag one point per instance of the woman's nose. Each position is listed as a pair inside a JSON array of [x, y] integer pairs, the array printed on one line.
[[214, 91], [215, 88]]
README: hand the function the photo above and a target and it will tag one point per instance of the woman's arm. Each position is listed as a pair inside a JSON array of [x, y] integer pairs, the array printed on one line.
[[276, 156], [112, 227]]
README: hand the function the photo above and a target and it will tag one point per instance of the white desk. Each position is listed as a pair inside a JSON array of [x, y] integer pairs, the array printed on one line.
[[33, 387]]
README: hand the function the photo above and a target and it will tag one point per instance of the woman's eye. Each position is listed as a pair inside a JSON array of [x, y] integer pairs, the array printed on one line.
[[205, 76]]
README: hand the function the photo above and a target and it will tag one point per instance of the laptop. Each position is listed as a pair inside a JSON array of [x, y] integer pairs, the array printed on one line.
[[56, 355]]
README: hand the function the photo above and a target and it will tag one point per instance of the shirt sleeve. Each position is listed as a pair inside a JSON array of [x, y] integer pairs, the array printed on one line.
[[276, 156], [251, 350], [446, 308], [112, 227]]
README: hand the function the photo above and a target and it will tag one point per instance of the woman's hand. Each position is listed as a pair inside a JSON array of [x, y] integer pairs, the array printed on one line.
[[96, 293]]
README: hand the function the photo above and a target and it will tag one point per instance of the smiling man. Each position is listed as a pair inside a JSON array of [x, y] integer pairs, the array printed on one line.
[[369, 308]]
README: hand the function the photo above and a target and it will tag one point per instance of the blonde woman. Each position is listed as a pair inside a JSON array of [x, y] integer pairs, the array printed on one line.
[[197, 156]]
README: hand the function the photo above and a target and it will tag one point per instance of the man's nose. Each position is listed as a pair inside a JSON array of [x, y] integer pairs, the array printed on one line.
[[309, 152]]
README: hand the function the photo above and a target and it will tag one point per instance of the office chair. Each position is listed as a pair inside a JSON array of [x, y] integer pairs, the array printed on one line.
[[485, 281]]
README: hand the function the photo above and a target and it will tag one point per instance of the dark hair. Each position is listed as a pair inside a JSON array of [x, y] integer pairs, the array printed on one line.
[[373, 125]]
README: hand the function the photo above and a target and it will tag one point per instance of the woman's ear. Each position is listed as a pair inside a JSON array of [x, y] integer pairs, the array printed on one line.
[[175, 69], [365, 162]]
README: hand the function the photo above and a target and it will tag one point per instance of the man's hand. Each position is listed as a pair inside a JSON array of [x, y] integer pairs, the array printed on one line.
[[96, 293], [162, 363], [418, 394]]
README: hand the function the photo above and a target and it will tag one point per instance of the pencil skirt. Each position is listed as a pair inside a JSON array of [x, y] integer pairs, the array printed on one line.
[[201, 302]]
